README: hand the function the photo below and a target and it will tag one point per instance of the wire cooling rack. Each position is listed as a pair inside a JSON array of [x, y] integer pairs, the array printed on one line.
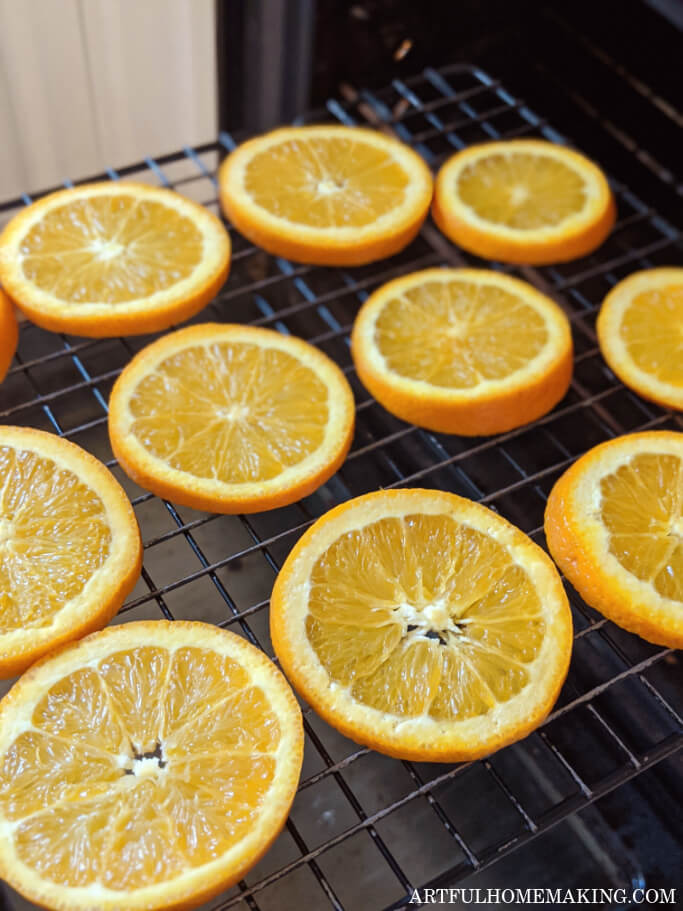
[[360, 820]]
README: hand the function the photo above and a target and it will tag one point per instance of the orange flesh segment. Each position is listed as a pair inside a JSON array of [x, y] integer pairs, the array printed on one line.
[[641, 508], [48, 550], [110, 249], [326, 182], [652, 331], [434, 620], [522, 190], [245, 412], [116, 783], [458, 334]]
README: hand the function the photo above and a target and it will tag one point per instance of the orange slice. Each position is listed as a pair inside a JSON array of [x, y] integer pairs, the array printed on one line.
[[146, 767], [523, 201], [9, 334], [231, 418], [463, 351], [640, 331], [70, 547], [422, 625], [332, 195], [614, 524], [112, 258]]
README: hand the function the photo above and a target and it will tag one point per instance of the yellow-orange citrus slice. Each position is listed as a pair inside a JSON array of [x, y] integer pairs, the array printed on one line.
[[9, 334], [640, 331], [70, 547], [146, 767], [112, 258], [332, 195], [466, 351], [231, 418], [422, 625], [614, 524], [523, 201]]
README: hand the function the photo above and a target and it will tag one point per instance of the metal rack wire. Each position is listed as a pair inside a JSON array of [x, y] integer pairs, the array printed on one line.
[[616, 717]]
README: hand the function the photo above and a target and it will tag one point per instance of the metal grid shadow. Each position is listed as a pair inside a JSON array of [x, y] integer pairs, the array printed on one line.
[[616, 716]]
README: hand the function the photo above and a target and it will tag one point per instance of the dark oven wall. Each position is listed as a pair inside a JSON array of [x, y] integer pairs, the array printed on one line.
[[608, 73]]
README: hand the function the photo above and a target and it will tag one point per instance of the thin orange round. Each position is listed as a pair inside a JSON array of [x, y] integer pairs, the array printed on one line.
[[327, 246], [576, 237], [9, 334], [577, 540], [98, 319], [610, 325], [491, 406], [195, 885], [108, 586], [152, 473], [418, 738]]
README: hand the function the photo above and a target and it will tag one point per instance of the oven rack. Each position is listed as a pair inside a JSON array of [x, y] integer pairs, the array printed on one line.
[[617, 716]]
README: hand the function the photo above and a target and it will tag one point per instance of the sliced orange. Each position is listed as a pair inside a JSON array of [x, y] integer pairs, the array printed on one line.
[[332, 195], [523, 201], [112, 258], [465, 351], [614, 524], [422, 625], [231, 418], [146, 767], [9, 334], [70, 547], [640, 331]]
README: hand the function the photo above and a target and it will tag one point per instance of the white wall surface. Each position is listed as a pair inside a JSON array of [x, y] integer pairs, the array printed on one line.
[[89, 84]]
